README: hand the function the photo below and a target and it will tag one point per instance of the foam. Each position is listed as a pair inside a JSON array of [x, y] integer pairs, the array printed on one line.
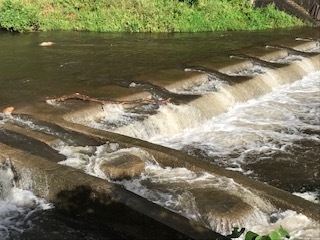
[[265, 125], [16, 205], [297, 225], [310, 196], [241, 131]]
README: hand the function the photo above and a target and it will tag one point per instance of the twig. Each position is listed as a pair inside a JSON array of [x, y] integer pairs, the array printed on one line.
[[79, 96]]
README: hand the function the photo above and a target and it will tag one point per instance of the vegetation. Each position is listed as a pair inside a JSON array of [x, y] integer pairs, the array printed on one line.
[[140, 15], [280, 234]]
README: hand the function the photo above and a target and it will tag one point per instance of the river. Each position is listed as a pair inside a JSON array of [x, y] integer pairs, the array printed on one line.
[[264, 136]]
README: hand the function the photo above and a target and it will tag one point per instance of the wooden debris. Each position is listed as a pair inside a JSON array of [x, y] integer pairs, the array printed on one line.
[[78, 96], [8, 110], [46, 44]]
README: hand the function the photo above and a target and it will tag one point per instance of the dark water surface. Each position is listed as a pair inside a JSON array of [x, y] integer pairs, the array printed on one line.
[[81, 61]]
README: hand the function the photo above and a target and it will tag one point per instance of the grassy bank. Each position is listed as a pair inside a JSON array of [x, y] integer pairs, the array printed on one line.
[[140, 15]]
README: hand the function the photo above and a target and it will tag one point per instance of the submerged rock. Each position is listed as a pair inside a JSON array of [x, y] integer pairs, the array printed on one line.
[[123, 167], [224, 211]]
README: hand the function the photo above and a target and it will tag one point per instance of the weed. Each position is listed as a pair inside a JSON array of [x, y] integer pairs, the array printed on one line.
[[140, 15], [280, 234]]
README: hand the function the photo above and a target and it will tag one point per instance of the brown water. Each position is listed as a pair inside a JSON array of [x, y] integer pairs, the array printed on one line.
[[82, 61]]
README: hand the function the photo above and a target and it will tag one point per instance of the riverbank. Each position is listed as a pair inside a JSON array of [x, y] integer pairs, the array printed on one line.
[[141, 16]]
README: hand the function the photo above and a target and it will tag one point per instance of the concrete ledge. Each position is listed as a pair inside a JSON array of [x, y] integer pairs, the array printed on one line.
[[127, 213], [109, 204], [173, 158]]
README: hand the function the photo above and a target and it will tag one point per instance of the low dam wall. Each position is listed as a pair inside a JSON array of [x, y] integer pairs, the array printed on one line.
[[34, 139], [104, 203]]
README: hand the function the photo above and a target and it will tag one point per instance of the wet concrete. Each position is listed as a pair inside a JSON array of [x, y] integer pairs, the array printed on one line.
[[107, 204], [30, 145], [126, 166], [124, 212]]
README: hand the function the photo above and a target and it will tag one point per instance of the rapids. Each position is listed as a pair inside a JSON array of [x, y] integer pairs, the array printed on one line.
[[17, 206], [255, 131], [260, 136]]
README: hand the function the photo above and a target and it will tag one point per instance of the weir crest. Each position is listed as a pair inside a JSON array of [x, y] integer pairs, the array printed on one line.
[[107, 149]]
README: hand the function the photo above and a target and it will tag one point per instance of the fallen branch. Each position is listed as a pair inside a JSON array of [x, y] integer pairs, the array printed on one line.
[[78, 96]]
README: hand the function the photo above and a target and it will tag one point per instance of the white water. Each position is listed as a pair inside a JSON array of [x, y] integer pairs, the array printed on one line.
[[216, 97], [16, 205], [255, 70], [268, 124], [259, 127], [310, 196], [172, 188], [297, 225], [168, 187], [265, 125]]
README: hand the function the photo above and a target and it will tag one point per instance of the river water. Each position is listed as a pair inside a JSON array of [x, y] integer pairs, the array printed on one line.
[[282, 125], [274, 139]]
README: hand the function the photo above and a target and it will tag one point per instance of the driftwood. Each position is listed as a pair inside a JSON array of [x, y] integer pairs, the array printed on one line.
[[8, 110], [78, 96], [46, 44]]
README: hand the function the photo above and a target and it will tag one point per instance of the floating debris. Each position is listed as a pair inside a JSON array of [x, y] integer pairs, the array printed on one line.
[[8, 110], [46, 44]]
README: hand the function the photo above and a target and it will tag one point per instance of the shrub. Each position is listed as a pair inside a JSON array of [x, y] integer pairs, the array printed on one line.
[[280, 234], [140, 15], [16, 16]]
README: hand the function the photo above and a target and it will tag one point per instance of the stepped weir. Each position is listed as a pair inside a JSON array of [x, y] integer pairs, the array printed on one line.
[[114, 143]]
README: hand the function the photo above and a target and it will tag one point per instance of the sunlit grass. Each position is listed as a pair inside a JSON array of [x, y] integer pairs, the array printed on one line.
[[140, 15]]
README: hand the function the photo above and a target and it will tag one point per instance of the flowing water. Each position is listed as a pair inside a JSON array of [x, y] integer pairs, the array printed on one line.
[[17, 206], [276, 128], [268, 138], [260, 137]]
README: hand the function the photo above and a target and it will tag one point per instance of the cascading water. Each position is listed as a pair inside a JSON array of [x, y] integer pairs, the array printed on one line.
[[172, 119], [256, 130], [243, 134], [221, 126], [16, 205], [173, 188], [275, 126]]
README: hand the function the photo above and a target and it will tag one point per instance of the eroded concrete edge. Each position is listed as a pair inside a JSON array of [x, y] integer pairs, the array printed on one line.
[[76, 192]]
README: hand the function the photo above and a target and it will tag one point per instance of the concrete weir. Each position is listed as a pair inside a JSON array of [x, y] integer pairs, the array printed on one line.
[[226, 198]]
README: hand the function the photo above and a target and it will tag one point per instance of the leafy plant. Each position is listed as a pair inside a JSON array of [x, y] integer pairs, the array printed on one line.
[[140, 15], [15, 16], [235, 233], [280, 234]]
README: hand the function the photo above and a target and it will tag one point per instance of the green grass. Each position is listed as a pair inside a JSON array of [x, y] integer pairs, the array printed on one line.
[[140, 15]]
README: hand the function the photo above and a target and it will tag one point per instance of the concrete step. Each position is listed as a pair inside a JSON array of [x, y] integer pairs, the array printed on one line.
[[104, 203], [29, 147]]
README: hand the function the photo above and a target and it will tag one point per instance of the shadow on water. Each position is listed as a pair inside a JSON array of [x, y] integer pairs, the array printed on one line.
[[82, 213], [72, 218]]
